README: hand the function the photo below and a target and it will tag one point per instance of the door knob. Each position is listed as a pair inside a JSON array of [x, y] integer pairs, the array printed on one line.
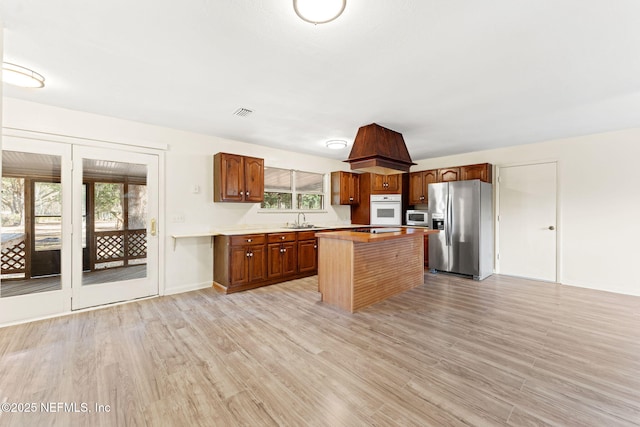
[[551, 227]]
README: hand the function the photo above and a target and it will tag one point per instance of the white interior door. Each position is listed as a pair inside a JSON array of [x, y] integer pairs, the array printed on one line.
[[35, 277], [115, 252], [527, 224]]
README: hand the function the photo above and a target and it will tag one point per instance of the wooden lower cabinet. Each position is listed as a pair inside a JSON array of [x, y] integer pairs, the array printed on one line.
[[308, 256], [282, 260], [249, 261], [247, 264]]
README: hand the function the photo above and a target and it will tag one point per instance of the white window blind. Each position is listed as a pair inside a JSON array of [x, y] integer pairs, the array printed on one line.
[[277, 180], [286, 189], [308, 182]]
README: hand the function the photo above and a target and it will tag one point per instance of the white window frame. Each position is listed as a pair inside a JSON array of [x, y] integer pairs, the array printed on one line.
[[294, 194]]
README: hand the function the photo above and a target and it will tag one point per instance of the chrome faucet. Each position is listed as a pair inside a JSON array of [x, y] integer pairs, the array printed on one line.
[[304, 218]]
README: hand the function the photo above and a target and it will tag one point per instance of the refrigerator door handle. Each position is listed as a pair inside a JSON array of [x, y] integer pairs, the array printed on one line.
[[448, 221]]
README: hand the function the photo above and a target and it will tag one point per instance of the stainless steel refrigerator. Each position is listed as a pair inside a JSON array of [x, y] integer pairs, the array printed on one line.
[[462, 211]]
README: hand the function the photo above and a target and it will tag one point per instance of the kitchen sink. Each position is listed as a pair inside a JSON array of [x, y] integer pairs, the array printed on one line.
[[300, 226]]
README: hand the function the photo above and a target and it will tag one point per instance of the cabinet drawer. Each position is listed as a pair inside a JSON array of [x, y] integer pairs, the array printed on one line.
[[281, 237], [248, 239], [306, 235]]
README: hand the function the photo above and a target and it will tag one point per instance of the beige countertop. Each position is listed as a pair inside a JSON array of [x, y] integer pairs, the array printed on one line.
[[262, 229]]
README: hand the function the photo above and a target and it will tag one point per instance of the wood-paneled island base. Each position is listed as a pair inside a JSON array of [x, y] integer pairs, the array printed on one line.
[[357, 269]]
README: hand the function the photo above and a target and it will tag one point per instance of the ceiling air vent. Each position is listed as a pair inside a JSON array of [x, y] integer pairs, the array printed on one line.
[[242, 112]]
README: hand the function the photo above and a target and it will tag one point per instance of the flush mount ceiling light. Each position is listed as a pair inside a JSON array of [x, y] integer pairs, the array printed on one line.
[[319, 11], [21, 76], [336, 144]]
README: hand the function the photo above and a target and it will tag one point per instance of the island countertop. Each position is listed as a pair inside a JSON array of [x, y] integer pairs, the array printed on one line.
[[368, 237], [359, 268]]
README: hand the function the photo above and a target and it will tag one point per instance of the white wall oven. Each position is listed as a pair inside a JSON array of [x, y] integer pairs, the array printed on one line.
[[386, 209]]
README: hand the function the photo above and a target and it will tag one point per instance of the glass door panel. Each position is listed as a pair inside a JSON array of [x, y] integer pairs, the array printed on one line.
[[31, 223], [120, 255], [35, 273]]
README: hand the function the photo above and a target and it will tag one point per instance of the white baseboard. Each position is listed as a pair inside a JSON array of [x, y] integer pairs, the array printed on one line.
[[187, 288]]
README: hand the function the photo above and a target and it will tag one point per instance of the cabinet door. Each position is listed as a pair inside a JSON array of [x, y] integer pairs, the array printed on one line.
[[238, 265], [394, 183], [289, 258], [353, 188], [481, 171], [416, 188], [428, 177], [448, 174], [307, 256], [257, 262], [274, 260], [378, 182], [230, 178], [386, 184], [253, 179]]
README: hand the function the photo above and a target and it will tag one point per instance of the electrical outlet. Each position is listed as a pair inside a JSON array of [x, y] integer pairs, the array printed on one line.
[[178, 217]]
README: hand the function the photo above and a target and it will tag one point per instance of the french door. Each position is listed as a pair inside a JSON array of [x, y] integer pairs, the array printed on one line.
[[35, 278], [78, 227], [115, 226]]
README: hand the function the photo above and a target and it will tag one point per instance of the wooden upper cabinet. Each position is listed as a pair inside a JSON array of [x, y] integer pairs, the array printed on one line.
[[419, 186], [482, 171], [345, 188], [237, 178], [254, 179], [448, 174], [386, 184]]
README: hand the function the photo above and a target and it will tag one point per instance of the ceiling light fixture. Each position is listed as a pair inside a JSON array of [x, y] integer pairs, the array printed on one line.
[[319, 11], [21, 76], [336, 144]]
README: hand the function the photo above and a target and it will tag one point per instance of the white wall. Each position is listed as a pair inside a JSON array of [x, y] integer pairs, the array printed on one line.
[[598, 196], [189, 162], [599, 204]]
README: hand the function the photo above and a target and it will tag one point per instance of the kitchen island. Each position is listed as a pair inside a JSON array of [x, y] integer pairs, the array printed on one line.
[[360, 268]]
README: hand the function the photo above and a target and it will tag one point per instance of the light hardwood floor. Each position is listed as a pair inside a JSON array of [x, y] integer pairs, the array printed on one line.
[[12, 288], [452, 352]]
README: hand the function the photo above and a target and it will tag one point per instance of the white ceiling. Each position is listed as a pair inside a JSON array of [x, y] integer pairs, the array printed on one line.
[[452, 76]]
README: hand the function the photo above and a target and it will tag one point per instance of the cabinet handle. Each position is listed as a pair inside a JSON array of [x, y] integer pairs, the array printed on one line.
[[249, 240], [251, 254], [242, 193], [284, 250], [247, 193], [351, 199], [248, 254], [282, 237], [315, 246]]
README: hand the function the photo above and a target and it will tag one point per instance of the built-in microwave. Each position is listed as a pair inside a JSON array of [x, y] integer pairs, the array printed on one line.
[[418, 217]]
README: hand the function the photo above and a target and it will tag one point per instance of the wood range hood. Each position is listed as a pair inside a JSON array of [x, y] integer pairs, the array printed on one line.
[[379, 150]]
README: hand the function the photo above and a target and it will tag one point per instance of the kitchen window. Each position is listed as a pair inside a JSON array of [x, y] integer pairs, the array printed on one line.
[[287, 189]]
